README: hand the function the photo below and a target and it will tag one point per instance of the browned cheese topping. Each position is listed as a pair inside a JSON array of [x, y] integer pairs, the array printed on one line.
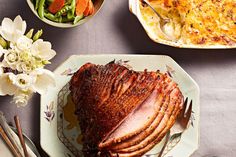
[[198, 22]]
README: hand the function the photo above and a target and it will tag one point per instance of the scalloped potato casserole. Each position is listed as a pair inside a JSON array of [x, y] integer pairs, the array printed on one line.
[[198, 22]]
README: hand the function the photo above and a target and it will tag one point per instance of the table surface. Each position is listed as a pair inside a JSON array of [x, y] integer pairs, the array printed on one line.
[[116, 30]]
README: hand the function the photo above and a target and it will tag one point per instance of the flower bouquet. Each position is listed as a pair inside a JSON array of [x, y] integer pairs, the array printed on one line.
[[22, 60]]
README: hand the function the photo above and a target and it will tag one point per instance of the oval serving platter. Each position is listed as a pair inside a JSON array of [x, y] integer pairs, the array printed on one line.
[[59, 128], [134, 7]]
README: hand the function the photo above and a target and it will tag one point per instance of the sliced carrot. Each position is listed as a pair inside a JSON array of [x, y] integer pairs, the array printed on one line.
[[81, 5], [86, 12], [90, 9], [56, 5]]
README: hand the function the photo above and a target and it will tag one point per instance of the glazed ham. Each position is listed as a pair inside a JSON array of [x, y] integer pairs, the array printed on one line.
[[122, 112]]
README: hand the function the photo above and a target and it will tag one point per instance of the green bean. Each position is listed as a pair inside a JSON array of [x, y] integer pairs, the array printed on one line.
[[65, 9], [53, 17], [30, 33], [38, 35], [73, 5], [49, 16], [65, 19], [71, 13], [36, 4], [71, 18], [78, 18], [41, 8], [60, 19]]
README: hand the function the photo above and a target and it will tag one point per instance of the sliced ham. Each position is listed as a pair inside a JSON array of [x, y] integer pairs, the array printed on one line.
[[140, 137], [140, 119], [162, 107], [132, 98], [121, 111], [143, 147]]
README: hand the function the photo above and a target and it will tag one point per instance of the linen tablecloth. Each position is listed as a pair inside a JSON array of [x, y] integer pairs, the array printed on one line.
[[116, 30]]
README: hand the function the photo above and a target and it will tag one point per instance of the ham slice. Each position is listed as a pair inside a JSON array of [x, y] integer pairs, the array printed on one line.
[[140, 137], [133, 124], [151, 138], [147, 135], [121, 111], [154, 138]]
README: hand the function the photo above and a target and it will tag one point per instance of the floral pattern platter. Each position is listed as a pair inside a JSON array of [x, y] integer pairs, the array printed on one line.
[[60, 132]]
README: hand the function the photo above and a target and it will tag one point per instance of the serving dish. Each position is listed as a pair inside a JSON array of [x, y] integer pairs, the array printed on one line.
[[59, 129], [135, 8], [97, 5]]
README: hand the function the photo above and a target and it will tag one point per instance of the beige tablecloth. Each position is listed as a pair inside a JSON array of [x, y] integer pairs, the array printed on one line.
[[116, 30]]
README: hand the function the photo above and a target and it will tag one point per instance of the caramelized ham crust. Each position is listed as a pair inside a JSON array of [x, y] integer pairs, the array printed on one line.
[[123, 112]]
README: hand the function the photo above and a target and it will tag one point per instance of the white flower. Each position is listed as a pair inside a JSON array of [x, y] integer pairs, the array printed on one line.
[[10, 83], [21, 98], [21, 67], [23, 44], [7, 84], [2, 51], [24, 67], [1, 69], [20, 86], [44, 79], [12, 30], [42, 49], [11, 59], [24, 81]]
